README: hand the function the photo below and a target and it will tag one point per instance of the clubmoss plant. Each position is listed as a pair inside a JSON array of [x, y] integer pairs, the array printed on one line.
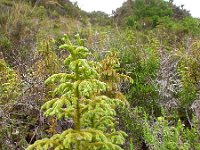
[[78, 97]]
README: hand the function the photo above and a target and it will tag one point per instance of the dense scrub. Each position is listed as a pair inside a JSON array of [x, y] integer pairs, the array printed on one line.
[[145, 60]]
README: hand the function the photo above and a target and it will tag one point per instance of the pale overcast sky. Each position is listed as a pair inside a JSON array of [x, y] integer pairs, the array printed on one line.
[[108, 5]]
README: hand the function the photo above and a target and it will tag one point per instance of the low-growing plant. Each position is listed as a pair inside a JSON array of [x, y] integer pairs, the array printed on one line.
[[163, 134], [78, 98]]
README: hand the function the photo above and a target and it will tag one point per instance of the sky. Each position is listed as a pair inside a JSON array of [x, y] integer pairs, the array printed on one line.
[[192, 5], [108, 5]]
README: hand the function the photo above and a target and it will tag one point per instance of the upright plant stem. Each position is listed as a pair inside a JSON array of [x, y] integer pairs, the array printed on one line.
[[78, 115]]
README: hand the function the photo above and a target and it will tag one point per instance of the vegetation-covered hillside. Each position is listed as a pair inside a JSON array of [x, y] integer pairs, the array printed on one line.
[[74, 80]]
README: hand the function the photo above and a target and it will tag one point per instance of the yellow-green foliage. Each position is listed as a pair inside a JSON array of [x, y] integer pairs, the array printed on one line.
[[111, 77], [189, 71], [162, 135], [78, 97], [9, 94], [9, 84], [48, 62]]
